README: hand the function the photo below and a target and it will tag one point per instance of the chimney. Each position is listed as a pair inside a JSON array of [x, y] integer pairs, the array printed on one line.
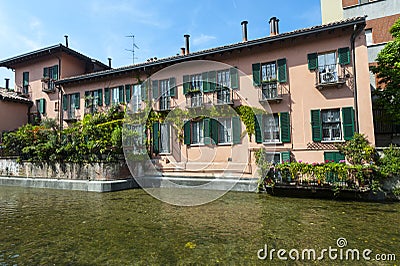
[[274, 26], [66, 40], [109, 62], [244, 30], [7, 83], [187, 36], [183, 50]]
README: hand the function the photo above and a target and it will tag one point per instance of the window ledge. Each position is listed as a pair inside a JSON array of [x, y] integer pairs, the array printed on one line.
[[333, 141], [272, 143], [197, 145], [225, 144]]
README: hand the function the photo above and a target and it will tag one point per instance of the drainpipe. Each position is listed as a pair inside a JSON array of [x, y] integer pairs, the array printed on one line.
[[357, 30]]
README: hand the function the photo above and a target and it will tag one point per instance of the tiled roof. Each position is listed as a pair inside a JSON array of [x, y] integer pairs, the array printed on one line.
[[195, 55], [7, 95], [10, 62]]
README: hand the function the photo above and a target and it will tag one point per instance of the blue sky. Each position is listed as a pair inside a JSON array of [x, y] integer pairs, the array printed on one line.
[[97, 28]]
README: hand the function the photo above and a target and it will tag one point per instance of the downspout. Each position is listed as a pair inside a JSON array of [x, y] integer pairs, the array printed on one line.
[[357, 30]]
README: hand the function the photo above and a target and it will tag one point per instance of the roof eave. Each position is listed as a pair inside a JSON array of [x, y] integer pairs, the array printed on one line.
[[283, 36]]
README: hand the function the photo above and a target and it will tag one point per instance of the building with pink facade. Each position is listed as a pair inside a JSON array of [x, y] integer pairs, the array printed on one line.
[[309, 87]]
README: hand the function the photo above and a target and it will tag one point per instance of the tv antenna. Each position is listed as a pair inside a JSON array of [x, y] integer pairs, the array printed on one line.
[[134, 46]]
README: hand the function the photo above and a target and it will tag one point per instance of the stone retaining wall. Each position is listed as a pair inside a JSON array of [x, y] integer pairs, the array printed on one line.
[[86, 171]]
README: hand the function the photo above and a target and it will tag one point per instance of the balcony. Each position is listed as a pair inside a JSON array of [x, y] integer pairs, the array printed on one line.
[[71, 115], [270, 92], [223, 96], [330, 76], [194, 100], [164, 103], [48, 85]]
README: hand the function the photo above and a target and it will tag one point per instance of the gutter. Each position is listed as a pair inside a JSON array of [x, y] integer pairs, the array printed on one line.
[[356, 32]]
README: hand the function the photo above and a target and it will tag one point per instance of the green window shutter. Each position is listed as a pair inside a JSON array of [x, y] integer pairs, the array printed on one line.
[[282, 70], [186, 133], [207, 131], [172, 87], [285, 156], [127, 93], [100, 97], [25, 78], [333, 156], [258, 127], [256, 68], [121, 94], [87, 100], [45, 72], [340, 157], [212, 80], [154, 86], [42, 106], [236, 129], [285, 126], [156, 143], [214, 131], [77, 100], [234, 78], [206, 85], [312, 61], [65, 102], [144, 90], [316, 125], [329, 156], [186, 84], [344, 56], [107, 96], [348, 122], [55, 72]]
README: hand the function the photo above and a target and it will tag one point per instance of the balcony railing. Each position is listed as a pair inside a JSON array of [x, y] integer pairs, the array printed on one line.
[[194, 100], [71, 114], [48, 85], [165, 103], [330, 76], [223, 96], [270, 92]]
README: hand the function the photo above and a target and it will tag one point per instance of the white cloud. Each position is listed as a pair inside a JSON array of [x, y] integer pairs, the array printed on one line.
[[203, 39]]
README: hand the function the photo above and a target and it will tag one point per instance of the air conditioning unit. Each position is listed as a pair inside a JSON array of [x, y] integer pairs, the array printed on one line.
[[328, 77]]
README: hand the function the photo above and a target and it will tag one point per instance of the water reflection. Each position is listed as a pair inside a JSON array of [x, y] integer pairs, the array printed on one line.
[[40, 226]]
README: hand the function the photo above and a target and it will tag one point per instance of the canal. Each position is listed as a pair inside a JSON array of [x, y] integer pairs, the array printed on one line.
[[46, 227]]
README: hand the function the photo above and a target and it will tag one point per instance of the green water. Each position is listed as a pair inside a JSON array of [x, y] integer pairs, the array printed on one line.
[[54, 227]]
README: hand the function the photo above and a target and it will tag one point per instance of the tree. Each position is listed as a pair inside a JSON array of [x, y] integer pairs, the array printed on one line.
[[388, 72]]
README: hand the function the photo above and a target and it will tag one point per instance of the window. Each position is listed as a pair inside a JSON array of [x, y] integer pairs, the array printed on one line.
[[165, 101], [50, 74], [196, 82], [223, 79], [368, 36], [197, 132], [334, 157], [25, 82], [134, 138], [196, 99], [272, 128], [136, 99], [165, 133], [117, 95], [331, 128], [93, 99], [224, 130], [71, 102], [211, 131], [268, 72], [327, 125], [327, 67], [275, 71], [41, 106]]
